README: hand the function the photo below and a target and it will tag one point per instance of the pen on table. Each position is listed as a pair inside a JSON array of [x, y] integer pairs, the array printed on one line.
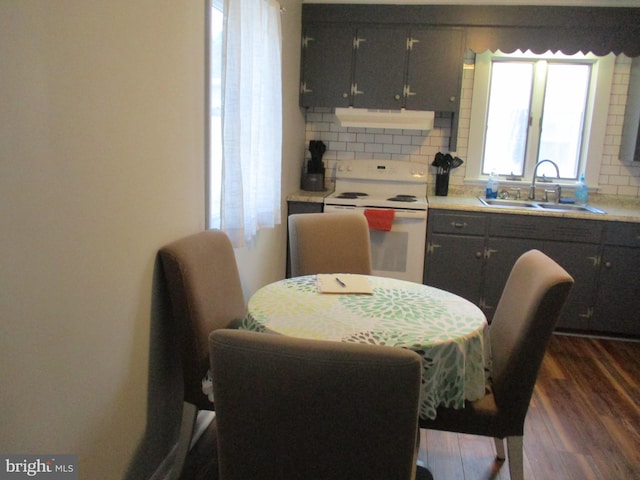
[[340, 282]]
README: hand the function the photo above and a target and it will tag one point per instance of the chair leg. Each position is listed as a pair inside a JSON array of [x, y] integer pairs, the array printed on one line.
[[516, 462], [189, 417], [499, 442]]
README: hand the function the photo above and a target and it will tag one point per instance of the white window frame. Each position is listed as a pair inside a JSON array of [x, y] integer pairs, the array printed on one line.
[[595, 118]]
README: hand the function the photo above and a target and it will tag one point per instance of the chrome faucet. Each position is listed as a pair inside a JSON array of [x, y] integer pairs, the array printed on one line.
[[532, 188]]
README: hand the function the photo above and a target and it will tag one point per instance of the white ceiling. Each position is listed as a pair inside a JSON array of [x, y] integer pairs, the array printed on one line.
[[573, 3]]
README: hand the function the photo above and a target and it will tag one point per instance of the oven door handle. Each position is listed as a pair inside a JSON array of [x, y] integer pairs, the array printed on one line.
[[416, 214]]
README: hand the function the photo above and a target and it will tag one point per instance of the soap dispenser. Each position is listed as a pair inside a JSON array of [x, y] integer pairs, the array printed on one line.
[[492, 185], [582, 191]]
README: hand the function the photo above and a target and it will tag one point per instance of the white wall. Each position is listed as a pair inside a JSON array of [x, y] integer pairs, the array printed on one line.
[[101, 162]]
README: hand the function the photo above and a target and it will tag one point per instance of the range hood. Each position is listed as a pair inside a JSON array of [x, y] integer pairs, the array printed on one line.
[[396, 119]]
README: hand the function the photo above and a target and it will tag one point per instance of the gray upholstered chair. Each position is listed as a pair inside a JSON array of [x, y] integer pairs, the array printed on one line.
[[519, 333], [329, 243], [289, 408], [206, 294]]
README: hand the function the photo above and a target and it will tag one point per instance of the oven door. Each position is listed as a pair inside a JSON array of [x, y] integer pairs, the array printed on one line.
[[398, 253]]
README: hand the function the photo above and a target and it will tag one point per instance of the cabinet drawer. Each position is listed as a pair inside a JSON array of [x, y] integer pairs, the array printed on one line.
[[460, 223], [582, 231], [625, 234], [517, 226], [537, 227]]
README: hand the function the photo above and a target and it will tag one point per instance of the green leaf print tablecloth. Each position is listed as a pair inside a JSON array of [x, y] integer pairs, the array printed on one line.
[[449, 333]]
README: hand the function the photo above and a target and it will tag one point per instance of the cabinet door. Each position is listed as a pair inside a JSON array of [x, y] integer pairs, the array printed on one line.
[[454, 263], [434, 79], [327, 56], [380, 57], [294, 207], [501, 255], [580, 260], [618, 303]]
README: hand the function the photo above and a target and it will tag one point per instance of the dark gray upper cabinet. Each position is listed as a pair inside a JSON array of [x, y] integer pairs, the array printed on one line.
[[379, 73], [326, 73], [434, 77], [630, 146], [381, 66]]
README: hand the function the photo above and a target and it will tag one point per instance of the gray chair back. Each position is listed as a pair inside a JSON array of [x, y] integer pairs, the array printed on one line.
[[206, 294], [289, 408], [329, 243], [522, 326]]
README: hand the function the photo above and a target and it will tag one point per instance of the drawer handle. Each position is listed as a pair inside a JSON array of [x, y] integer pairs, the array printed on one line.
[[455, 224]]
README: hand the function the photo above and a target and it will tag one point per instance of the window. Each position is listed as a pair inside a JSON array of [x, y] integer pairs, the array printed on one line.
[[214, 100], [245, 117], [527, 108]]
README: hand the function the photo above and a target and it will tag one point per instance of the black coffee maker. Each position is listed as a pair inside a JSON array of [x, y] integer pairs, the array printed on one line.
[[313, 168]]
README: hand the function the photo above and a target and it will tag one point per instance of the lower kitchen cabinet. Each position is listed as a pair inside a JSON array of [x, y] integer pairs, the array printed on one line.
[[454, 253], [500, 256], [617, 308], [471, 254], [581, 261], [299, 207]]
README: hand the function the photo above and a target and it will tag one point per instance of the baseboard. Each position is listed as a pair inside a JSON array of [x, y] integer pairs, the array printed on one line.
[[204, 419]]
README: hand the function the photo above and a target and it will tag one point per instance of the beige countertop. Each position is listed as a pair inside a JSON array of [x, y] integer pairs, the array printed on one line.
[[621, 209], [307, 196]]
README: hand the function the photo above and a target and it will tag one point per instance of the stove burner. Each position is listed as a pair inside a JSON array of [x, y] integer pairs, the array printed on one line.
[[351, 195], [403, 198]]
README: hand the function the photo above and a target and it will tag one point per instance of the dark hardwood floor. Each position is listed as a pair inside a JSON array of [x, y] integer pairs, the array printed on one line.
[[583, 422]]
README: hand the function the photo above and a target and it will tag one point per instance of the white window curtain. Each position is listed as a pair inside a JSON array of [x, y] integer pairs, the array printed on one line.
[[251, 118]]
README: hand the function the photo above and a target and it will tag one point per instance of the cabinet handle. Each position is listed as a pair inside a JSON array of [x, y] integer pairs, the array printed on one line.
[[588, 314], [595, 260], [455, 224], [354, 90], [397, 97], [488, 252], [407, 91], [345, 95], [306, 40], [304, 89], [452, 99], [607, 264], [483, 305], [478, 254], [410, 42], [356, 42], [432, 247]]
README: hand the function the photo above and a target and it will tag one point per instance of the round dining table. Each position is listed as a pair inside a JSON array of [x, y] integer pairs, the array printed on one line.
[[448, 332]]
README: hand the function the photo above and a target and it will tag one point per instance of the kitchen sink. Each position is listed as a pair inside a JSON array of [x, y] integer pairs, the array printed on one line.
[[539, 206], [494, 202], [563, 207]]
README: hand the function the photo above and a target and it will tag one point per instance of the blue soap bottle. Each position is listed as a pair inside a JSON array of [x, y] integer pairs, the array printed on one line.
[[492, 186], [582, 191]]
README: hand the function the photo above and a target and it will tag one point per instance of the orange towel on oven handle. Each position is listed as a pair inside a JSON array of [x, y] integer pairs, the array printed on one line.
[[380, 219]]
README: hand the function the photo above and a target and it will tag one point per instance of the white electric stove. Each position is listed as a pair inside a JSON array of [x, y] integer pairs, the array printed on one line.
[[387, 185]]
